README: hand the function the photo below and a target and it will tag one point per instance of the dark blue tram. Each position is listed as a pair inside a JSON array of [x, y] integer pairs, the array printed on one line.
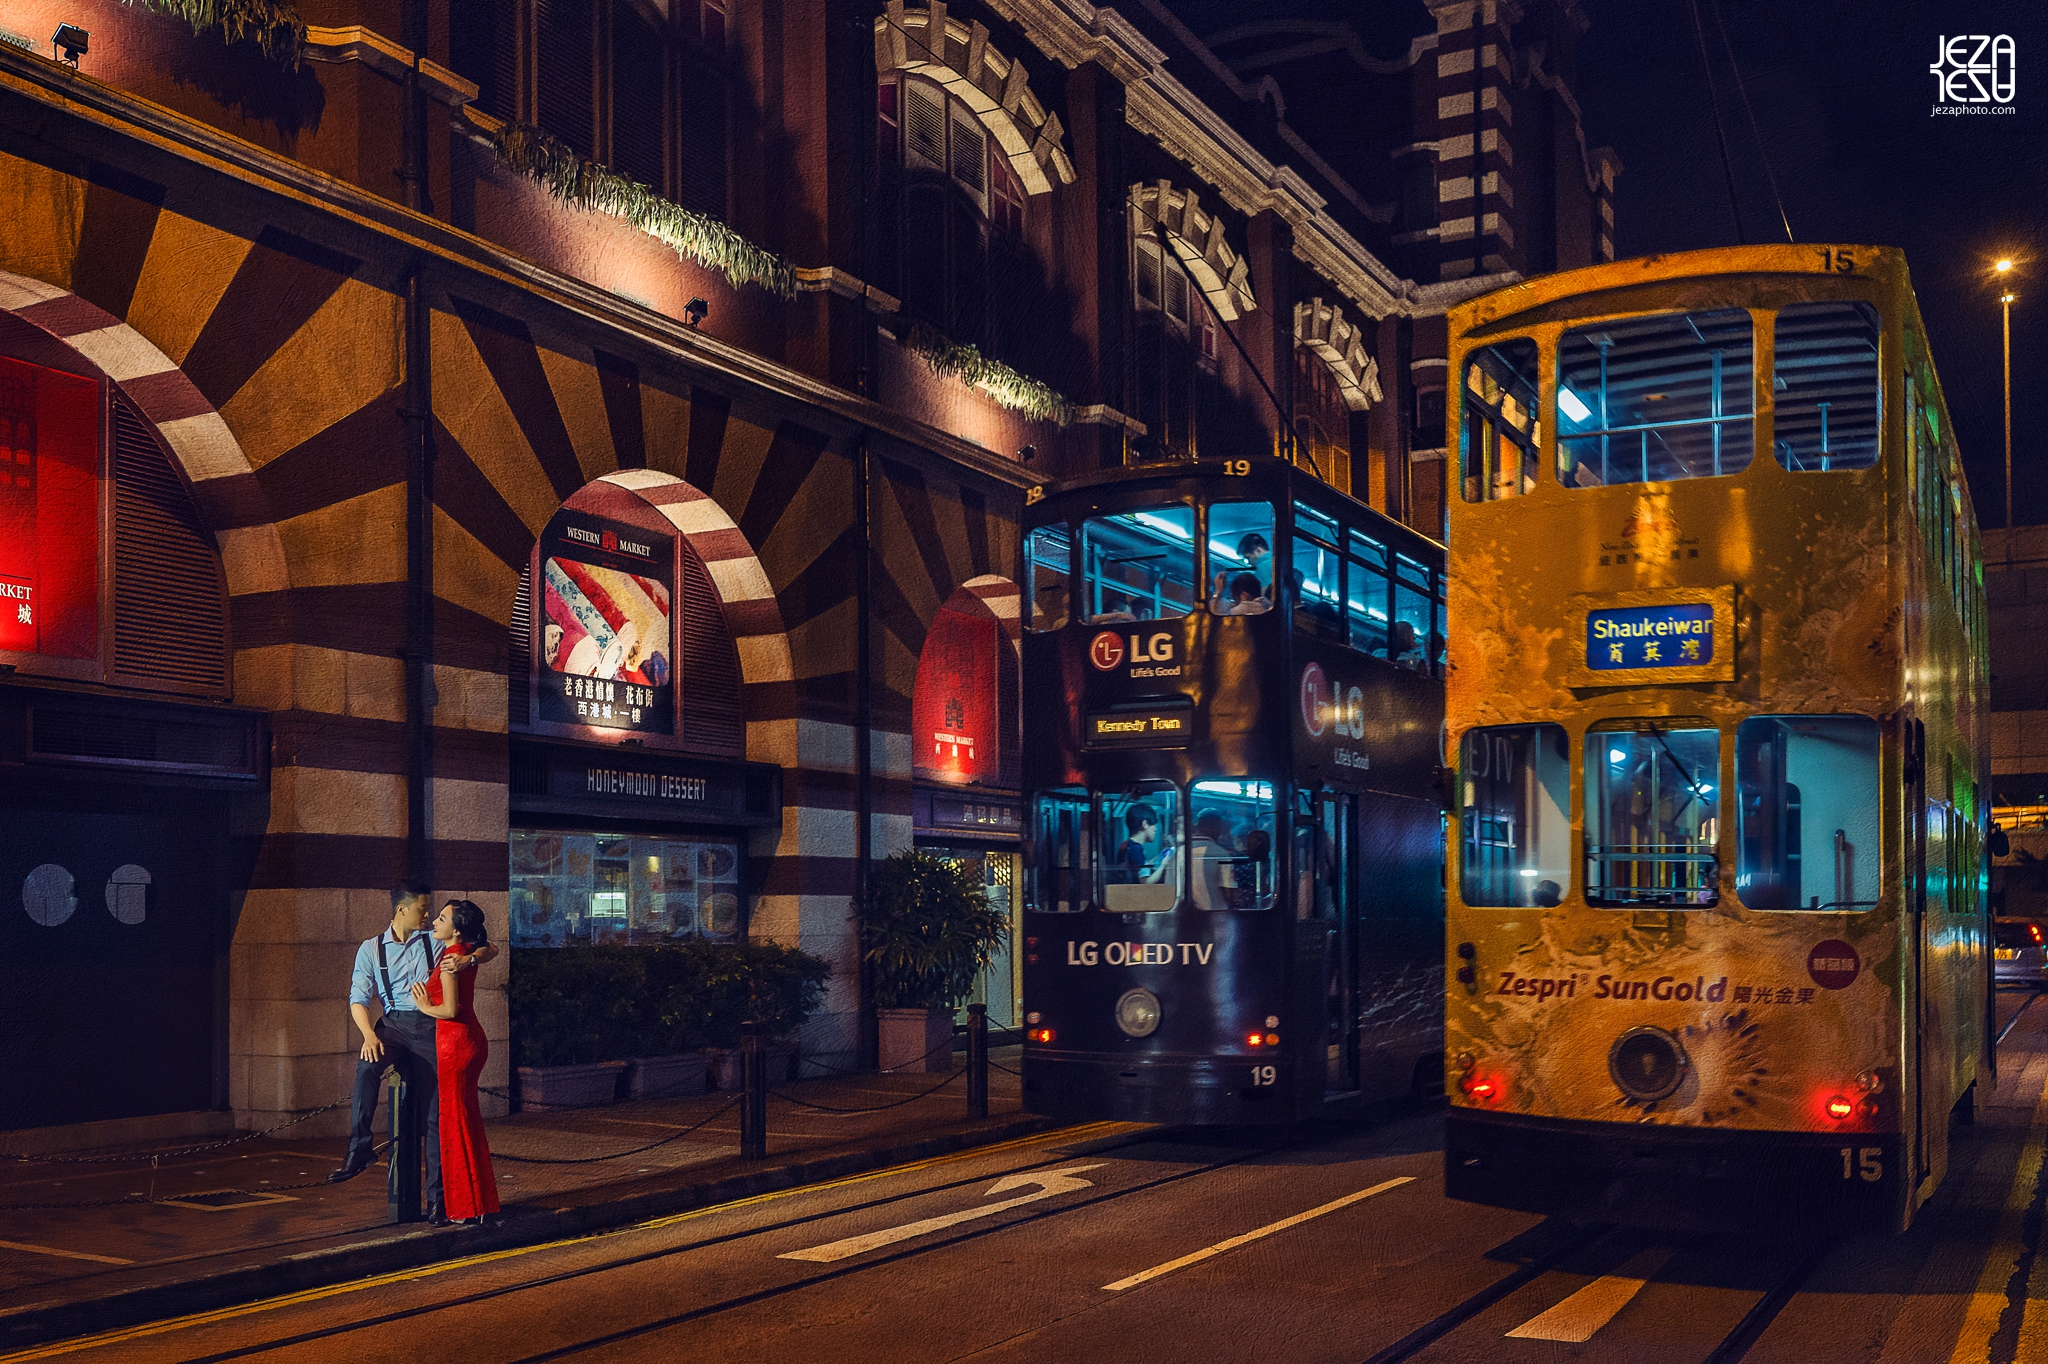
[[1233, 704]]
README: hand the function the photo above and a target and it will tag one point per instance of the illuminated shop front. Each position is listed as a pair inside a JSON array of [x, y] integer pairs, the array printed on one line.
[[630, 807], [963, 727], [123, 772]]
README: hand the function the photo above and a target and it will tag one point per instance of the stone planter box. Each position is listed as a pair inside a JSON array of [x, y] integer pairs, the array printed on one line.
[[543, 1088], [916, 1041], [669, 1077], [779, 1063]]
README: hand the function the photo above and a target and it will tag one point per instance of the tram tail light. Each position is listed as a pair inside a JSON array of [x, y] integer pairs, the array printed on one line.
[[1480, 1089], [2035, 929], [1255, 1039], [1272, 1039], [1839, 1108], [1042, 1035]]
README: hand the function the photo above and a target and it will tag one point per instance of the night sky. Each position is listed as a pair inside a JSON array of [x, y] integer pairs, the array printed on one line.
[[1842, 98]]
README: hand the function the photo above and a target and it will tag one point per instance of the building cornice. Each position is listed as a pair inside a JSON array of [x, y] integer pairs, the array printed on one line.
[[60, 92], [1075, 32]]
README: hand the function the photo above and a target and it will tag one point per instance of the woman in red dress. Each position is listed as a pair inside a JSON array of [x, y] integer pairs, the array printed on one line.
[[469, 1190]]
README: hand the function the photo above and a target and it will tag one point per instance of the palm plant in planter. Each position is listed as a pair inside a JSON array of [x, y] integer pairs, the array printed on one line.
[[927, 929]]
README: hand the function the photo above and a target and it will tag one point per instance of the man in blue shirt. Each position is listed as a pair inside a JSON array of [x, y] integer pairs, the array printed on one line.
[[387, 967]]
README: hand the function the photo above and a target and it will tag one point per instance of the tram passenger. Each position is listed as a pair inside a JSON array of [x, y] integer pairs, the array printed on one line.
[[1211, 878], [1247, 596], [1403, 649], [1258, 561]]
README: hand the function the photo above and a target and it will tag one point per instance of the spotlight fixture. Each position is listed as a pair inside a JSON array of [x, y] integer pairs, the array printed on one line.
[[71, 42], [695, 311]]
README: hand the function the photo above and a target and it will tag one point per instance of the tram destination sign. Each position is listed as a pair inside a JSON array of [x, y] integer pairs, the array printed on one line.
[[1652, 637], [1154, 727]]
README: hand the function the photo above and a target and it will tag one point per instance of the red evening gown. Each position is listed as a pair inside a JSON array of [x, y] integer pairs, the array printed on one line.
[[468, 1187]]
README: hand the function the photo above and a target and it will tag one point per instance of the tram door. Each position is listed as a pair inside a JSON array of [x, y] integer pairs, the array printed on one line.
[[1336, 818]]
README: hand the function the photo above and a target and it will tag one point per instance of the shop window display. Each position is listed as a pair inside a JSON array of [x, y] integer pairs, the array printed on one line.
[[637, 889]]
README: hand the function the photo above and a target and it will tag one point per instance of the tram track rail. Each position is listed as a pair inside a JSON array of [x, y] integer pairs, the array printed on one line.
[[767, 1293]]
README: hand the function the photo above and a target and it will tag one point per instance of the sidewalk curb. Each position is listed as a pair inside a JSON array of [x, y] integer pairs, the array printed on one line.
[[415, 1247]]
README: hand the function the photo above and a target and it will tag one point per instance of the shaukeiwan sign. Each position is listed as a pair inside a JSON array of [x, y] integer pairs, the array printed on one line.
[[1637, 637]]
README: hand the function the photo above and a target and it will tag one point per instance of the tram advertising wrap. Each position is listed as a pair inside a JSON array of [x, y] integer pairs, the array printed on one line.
[[1233, 862], [1718, 889]]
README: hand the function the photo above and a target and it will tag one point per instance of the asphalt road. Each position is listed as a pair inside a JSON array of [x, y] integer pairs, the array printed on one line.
[[1118, 1243]]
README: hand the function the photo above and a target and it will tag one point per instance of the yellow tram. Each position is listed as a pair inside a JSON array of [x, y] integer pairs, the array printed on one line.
[[1717, 946]]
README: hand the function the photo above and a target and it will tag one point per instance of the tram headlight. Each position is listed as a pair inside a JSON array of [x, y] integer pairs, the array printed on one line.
[[1137, 1012], [1647, 1064]]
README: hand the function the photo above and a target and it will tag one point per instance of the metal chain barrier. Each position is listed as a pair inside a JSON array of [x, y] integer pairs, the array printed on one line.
[[877, 1108], [616, 1155]]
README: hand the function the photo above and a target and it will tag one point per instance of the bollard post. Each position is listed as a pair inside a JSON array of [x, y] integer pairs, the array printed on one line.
[[977, 1060], [753, 1096], [403, 1184]]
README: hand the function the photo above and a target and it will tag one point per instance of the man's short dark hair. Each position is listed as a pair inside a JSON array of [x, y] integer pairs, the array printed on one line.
[[1252, 541], [1138, 816], [409, 890]]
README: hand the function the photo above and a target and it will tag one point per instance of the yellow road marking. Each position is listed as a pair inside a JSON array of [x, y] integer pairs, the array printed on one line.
[[1083, 1132], [1987, 1304], [67, 1254]]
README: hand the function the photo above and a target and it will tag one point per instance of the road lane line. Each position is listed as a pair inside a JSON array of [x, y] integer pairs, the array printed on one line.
[[67, 1254], [1987, 1304], [1061, 1136], [1575, 1320], [1247, 1238], [1050, 1182]]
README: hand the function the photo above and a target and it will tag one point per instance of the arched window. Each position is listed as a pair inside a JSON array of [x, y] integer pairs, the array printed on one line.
[[957, 200]]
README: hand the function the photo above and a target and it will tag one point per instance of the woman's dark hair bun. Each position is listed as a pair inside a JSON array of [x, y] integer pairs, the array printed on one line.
[[469, 923]]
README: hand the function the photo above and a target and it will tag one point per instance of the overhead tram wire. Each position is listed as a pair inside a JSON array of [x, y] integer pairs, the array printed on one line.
[[1742, 88], [1720, 131]]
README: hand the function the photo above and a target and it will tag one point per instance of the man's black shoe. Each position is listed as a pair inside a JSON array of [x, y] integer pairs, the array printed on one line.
[[437, 1216], [348, 1171]]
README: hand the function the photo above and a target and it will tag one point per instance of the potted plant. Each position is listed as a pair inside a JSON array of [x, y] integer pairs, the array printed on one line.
[[927, 929], [575, 1011]]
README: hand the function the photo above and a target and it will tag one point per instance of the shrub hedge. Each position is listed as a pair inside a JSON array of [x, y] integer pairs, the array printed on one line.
[[605, 1002]]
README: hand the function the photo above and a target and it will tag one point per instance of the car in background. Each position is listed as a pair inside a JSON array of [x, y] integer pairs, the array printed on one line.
[[2020, 956]]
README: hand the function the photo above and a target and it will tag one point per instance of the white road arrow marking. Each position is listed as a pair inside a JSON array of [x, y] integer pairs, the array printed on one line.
[[1049, 1182]]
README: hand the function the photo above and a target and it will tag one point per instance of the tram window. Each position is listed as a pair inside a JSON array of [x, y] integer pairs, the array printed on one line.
[[1062, 855], [1826, 380], [1410, 641], [1654, 399], [1497, 439], [1309, 521], [1230, 855], [1142, 824], [1240, 558], [1807, 812], [1139, 565], [1515, 794], [1316, 572], [1365, 593], [1653, 810], [1048, 560]]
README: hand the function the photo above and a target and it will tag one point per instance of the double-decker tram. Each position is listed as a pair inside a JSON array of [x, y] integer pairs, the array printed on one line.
[[1232, 712], [1717, 691]]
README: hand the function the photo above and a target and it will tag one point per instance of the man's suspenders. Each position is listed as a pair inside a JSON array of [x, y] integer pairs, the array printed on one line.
[[384, 971]]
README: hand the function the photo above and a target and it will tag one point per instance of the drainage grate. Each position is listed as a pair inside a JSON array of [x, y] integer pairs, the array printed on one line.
[[226, 1200]]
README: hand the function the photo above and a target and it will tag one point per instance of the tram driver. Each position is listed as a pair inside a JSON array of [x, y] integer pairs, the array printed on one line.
[[1134, 861]]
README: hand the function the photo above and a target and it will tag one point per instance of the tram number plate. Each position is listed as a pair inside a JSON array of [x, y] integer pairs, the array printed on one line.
[[1265, 1075], [1866, 1163]]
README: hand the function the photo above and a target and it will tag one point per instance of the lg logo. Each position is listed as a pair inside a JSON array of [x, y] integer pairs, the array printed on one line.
[[1106, 650], [1324, 706]]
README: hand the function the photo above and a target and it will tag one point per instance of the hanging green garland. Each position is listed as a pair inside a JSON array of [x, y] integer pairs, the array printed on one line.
[[273, 25], [967, 364], [547, 160]]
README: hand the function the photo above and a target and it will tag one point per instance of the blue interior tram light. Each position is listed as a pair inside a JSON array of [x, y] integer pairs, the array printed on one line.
[[1161, 523], [1617, 755], [1569, 404]]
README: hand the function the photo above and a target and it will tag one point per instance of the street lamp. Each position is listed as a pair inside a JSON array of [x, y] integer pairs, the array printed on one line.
[[2005, 302]]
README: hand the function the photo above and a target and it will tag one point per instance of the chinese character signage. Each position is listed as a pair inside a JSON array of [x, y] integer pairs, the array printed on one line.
[[606, 640], [1653, 637], [1650, 637], [49, 512], [953, 705]]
